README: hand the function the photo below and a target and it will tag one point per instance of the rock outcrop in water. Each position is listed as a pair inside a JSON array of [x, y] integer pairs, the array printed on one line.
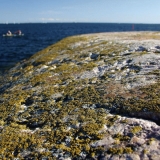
[[89, 97]]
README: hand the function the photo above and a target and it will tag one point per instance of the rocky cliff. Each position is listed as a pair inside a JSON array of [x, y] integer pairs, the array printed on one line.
[[94, 96]]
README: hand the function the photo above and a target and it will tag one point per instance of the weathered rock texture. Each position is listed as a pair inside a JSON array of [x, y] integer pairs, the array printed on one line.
[[89, 97]]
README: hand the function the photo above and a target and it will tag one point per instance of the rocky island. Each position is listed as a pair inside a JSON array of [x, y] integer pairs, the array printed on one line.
[[92, 97]]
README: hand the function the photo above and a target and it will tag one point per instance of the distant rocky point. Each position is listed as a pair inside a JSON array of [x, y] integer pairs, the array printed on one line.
[[92, 97]]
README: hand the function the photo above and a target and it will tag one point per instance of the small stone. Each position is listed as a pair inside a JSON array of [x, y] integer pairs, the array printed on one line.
[[56, 96], [137, 140], [42, 69], [132, 157], [94, 56]]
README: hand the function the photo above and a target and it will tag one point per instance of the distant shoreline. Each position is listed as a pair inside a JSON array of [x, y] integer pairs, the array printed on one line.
[[80, 22]]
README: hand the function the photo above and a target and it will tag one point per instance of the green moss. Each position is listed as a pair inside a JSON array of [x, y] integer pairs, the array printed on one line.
[[91, 128], [110, 121], [78, 115], [145, 151], [120, 150], [13, 141], [65, 70], [147, 101], [28, 68], [127, 150], [115, 150], [2, 122], [124, 121], [121, 137], [136, 129], [154, 72], [88, 66]]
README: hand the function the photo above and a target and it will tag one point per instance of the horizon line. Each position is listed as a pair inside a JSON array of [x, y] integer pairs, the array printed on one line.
[[78, 22]]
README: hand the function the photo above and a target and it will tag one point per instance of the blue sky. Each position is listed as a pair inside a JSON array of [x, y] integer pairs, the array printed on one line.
[[120, 11]]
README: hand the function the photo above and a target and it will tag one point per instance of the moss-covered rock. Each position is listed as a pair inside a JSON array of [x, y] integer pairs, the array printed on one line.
[[57, 103]]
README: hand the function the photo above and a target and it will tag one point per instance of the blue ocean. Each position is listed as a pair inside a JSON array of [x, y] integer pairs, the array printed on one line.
[[37, 36]]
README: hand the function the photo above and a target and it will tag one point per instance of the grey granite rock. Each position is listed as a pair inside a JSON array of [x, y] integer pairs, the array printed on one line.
[[97, 99]]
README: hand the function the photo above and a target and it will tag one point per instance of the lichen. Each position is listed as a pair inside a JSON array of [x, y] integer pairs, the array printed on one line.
[[120, 150], [136, 129], [46, 108]]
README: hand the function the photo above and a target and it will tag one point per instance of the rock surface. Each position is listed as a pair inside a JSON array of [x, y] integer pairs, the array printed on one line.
[[94, 96]]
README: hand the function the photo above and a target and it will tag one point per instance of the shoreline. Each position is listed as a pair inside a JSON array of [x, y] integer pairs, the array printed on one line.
[[77, 99], [134, 35]]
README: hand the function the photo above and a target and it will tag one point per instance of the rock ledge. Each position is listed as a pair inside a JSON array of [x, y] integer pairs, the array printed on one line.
[[94, 96]]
